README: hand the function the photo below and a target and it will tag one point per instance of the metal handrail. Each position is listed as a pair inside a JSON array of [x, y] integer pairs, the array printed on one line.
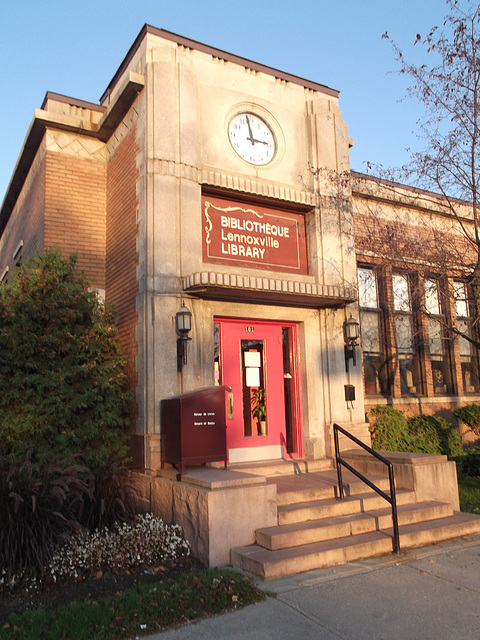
[[391, 499]]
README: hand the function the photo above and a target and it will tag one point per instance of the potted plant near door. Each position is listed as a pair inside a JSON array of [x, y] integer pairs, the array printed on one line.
[[259, 410]]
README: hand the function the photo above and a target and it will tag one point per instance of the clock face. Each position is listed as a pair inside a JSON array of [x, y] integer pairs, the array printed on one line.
[[252, 138]]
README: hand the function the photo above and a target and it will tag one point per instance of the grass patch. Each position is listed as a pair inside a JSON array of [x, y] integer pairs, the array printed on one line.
[[140, 610]]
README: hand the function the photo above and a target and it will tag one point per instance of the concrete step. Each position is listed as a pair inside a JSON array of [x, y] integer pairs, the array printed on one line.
[[411, 513], [354, 486], [307, 532], [303, 491], [289, 467], [327, 508], [282, 562], [370, 500], [267, 563], [311, 486], [422, 533], [317, 509], [310, 531]]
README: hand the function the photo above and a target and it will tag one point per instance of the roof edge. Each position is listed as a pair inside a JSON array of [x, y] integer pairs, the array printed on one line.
[[217, 53], [83, 104]]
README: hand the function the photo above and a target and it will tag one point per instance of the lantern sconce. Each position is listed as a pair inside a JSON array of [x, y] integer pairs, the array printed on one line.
[[351, 330], [183, 326]]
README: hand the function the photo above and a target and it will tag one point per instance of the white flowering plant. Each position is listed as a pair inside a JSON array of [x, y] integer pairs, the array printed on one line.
[[124, 548]]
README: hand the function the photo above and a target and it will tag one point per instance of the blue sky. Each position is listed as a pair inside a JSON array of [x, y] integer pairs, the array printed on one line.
[[74, 48]]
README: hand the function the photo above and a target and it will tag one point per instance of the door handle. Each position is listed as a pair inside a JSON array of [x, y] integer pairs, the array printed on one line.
[[230, 412]]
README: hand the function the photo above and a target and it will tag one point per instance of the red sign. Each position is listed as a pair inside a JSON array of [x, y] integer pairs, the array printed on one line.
[[253, 236]]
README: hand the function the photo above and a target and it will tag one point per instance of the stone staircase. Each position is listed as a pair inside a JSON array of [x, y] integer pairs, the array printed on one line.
[[315, 529]]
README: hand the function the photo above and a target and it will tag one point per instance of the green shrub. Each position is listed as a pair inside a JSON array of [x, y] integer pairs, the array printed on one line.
[[40, 505], [435, 435], [470, 415], [62, 377], [389, 429], [424, 435]]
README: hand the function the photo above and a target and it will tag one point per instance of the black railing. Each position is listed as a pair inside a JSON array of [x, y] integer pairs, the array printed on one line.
[[391, 499]]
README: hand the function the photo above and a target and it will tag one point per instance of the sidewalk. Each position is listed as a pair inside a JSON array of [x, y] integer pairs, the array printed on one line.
[[432, 593]]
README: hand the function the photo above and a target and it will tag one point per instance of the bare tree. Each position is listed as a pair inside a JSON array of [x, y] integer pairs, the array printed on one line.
[[449, 89]]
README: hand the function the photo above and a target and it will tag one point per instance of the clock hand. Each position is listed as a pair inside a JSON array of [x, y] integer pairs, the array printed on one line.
[[250, 136], [260, 141]]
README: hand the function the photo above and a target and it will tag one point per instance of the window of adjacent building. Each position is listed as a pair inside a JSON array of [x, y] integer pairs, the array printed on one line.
[[439, 355], [17, 254], [464, 325], [407, 353], [374, 361], [3, 277]]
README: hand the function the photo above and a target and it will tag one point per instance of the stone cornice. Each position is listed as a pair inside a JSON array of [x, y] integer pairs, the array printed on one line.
[[264, 188], [267, 290], [209, 177]]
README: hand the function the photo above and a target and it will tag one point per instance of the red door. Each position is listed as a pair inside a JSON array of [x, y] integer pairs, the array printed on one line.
[[255, 362]]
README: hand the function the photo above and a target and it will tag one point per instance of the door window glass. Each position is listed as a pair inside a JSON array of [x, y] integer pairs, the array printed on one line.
[[254, 395]]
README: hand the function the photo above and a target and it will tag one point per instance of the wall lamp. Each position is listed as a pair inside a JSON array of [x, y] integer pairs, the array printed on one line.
[[351, 330], [183, 326]]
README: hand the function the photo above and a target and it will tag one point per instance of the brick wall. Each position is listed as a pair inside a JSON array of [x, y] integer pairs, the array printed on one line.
[[26, 224], [75, 204], [122, 257], [389, 246]]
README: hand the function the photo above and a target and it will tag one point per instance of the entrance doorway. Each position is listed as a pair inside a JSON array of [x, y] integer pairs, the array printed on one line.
[[259, 361]]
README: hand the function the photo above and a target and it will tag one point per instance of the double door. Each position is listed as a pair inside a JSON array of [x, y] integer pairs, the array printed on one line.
[[259, 361]]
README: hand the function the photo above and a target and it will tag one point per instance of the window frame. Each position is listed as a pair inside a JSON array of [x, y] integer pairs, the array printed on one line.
[[441, 373], [408, 358], [468, 361], [375, 371]]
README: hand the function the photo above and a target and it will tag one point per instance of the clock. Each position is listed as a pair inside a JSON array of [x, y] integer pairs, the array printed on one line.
[[252, 138]]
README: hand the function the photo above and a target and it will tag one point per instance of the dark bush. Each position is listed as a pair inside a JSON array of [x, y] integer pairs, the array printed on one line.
[[40, 506], [451, 442], [112, 498], [470, 415], [470, 463]]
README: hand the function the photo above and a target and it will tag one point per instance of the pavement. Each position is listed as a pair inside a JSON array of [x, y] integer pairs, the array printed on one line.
[[431, 593]]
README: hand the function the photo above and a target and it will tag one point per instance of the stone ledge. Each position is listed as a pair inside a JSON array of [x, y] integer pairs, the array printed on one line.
[[431, 477], [211, 478], [401, 457]]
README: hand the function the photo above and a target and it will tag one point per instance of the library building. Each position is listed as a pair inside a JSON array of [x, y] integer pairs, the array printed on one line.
[[265, 293]]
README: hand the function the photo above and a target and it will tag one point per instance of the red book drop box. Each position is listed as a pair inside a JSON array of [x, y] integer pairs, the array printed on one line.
[[194, 427]]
